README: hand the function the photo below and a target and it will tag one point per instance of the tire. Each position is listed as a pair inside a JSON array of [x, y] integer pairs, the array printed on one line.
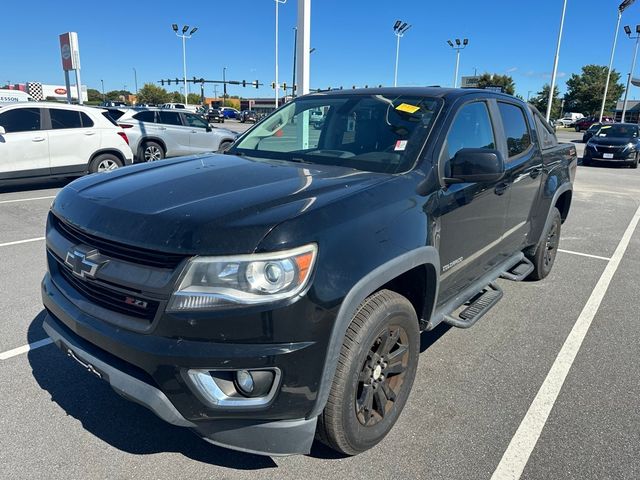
[[634, 164], [151, 151], [224, 146], [544, 255], [104, 162], [351, 421], [577, 129]]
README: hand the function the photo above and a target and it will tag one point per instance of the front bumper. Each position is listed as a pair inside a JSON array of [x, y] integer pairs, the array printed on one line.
[[150, 369], [610, 156]]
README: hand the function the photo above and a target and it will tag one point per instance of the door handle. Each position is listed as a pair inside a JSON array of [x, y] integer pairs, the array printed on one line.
[[37, 139], [88, 134], [194, 131], [162, 128], [501, 188]]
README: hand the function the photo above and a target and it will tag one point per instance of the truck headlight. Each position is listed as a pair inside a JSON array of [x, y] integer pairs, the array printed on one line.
[[210, 283]]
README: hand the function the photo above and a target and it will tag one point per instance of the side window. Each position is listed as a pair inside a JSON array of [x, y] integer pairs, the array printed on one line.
[[195, 121], [64, 118], [547, 138], [86, 121], [147, 116], [170, 118], [470, 129], [20, 120], [515, 128]]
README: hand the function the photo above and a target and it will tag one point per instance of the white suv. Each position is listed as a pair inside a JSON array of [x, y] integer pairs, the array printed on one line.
[[39, 139]]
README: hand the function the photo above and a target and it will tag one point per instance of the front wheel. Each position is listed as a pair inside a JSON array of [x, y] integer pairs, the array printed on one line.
[[577, 129], [544, 255], [104, 163], [374, 375], [634, 163]]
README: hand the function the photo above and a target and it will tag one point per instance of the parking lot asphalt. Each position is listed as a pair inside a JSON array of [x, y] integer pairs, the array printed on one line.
[[472, 395]]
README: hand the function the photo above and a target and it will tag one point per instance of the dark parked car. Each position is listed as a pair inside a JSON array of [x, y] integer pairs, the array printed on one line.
[[617, 143], [586, 122], [279, 291], [247, 116], [214, 115]]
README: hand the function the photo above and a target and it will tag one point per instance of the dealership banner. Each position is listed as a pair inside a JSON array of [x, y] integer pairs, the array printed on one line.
[[69, 51]]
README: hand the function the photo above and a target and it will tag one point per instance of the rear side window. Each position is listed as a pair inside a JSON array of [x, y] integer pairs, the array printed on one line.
[[169, 118], [547, 137], [108, 117], [195, 121], [148, 117], [20, 120], [515, 128], [65, 119], [470, 129], [86, 121]]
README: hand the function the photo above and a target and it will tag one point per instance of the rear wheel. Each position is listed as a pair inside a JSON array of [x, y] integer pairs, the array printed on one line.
[[104, 162], [152, 151], [544, 255], [375, 372]]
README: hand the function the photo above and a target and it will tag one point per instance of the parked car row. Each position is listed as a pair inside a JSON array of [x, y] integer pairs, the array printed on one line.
[[41, 139], [614, 143]]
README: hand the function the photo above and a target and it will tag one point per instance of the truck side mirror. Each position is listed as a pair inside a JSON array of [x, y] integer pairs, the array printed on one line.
[[476, 165]]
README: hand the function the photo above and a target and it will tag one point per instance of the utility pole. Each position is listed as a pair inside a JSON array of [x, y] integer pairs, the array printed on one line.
[[627, 30], [399, 29], [555, 65], [184, 37], [295, 48], [277, 85]]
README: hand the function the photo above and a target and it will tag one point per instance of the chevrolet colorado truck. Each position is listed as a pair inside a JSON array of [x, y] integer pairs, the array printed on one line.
[[277, 293]]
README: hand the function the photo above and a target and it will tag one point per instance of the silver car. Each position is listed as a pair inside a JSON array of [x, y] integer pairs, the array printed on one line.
[[156, 133]]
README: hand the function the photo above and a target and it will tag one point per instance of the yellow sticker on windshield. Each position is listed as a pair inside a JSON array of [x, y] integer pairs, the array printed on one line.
[[405, 107], [604, 127]]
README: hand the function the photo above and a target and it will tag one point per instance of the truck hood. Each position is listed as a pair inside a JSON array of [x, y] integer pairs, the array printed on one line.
[[207, 204]]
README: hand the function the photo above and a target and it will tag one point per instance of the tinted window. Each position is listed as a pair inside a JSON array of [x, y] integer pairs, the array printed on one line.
[[618, 131], [145, 116], [86, 121], [471, 129], [107, 115], [169, 118], [515, 128], [65, 119], [20, 120], [115, 114], [195, 121], [547, 137]]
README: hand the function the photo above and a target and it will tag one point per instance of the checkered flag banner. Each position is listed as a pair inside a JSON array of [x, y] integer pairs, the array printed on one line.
[[35, 90]]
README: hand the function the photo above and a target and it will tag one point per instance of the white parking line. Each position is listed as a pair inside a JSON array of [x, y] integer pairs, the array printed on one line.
[[27, 199], [584, 254], [517, 455], [18, 242], [25, 348]]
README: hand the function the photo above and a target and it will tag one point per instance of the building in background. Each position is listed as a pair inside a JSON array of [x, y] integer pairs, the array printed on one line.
[[40, 91]]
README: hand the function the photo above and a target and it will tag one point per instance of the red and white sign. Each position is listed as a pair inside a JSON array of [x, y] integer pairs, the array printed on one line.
[[69, 51], [61, 91]]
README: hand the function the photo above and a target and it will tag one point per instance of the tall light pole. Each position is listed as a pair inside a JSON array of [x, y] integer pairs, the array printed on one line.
[[621, 8], [103, 97], [457, 47], [627, 30], [224, 86], [135, 79], [399, 29], [277, 85], [555, 64], [184, 37]]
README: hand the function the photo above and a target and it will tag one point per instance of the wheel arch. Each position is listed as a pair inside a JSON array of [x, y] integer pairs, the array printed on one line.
[[421, 264], [157, 140], [102, 151]]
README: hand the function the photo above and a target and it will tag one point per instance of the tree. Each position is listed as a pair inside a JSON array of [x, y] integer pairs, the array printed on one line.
[[93, 95], [541, 100], [176, 97], [585, 91], [117, 94], [495, 80], [194, 99], [153, 94]]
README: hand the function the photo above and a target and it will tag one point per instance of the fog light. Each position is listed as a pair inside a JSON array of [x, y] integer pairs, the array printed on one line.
[[245, 382]]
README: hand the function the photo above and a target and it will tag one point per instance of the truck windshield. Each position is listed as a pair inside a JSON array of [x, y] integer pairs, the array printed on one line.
[[377, 133]]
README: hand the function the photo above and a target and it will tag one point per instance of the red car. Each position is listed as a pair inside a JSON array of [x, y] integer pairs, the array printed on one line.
[[586, 122]]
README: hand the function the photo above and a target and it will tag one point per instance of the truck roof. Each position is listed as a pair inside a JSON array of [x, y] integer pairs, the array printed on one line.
[[437, 92]]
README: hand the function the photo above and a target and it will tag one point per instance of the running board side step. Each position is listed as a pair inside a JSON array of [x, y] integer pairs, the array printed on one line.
[[479, 305], [520, 271]]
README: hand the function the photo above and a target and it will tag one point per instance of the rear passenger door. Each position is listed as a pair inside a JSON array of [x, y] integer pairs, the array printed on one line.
[[177, 134], [523, 164], [72, 140], [471, 215], [24, 148]]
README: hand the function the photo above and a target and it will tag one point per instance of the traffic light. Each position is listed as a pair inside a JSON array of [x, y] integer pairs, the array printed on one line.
[[177, 81], [273, 85], [162, 82], [284, 86], [169, 82], [244, 83], [256, 84]]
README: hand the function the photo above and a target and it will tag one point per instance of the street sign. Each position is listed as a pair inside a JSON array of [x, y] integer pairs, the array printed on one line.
[[470, 82], [69, 51]]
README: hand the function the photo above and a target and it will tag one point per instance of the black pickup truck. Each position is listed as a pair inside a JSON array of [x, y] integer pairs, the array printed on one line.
[[276, 293]]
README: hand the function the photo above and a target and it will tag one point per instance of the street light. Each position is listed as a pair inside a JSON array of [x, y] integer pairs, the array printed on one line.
[[621, 8], [399, 29], [277, 86], [627, 30], [555, 63], [457, 47], [184, 37], [224, 85]]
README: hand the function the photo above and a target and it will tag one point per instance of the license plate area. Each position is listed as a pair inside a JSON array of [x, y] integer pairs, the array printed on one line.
[[86, 365], [607, 155]]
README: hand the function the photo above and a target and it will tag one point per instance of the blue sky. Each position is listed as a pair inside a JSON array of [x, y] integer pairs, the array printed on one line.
[[354, 41]]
